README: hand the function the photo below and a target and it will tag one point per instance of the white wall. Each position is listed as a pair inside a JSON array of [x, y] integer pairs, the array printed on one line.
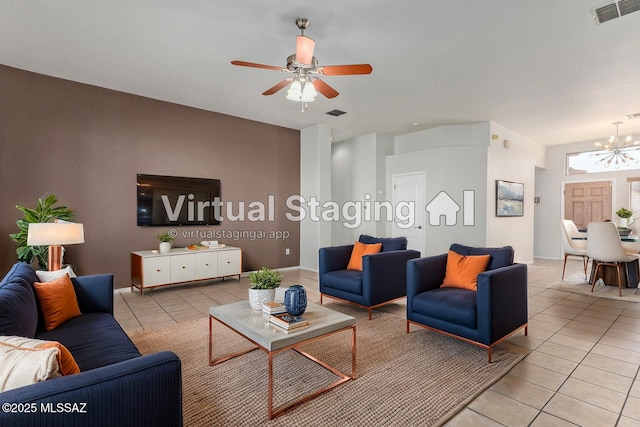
[[353, 164], [443, 136], [358, 175], [385, 147], [453, 170], [315, 181], [453, 158], [518, 164], [550, 186], [467, 157]]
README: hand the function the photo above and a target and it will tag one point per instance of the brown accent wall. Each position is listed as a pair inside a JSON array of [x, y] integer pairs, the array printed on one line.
[[86, 144]]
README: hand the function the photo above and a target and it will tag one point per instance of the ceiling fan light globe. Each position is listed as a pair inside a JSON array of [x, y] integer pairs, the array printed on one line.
[[295, 91], [304, 98], [309, 92]]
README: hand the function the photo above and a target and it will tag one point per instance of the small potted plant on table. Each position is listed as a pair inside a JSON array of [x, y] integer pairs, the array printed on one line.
[[165, 242], [625, 221], [264, 283]]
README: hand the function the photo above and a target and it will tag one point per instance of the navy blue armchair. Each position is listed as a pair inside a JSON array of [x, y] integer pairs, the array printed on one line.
[[484, 317], [382, 280]]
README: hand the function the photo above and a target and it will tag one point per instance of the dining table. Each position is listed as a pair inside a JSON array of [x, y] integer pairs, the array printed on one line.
[[623, 238]]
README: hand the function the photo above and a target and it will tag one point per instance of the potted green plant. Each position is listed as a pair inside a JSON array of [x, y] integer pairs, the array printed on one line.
[[264, 283], [44, 212], [165, 242], [624, 222]]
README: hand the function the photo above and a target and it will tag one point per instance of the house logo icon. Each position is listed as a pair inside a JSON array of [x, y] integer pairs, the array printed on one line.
[[443, 205]]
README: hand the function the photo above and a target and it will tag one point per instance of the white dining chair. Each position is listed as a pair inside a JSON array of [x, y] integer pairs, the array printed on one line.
[[572, 247], [605, 248]]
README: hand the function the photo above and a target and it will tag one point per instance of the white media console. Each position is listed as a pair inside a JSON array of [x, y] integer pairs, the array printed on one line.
[[180, 265]]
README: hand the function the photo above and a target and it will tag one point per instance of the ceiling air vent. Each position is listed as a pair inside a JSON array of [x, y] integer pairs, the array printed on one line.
[[615, 10], [336, 113], [628, 6], [606, 13]]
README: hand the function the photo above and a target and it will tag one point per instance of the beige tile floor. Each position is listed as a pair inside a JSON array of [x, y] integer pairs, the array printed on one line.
[[581, 368]]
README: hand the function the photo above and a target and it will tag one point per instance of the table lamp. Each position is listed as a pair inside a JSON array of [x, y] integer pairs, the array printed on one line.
[[55, 234]]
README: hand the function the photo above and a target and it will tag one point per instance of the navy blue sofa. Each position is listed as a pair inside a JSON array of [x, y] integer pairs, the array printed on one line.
[[116, 386], [383, 278], [485, 317]]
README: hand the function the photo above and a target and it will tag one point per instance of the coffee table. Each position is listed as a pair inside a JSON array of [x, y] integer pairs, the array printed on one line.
[[254, 326]]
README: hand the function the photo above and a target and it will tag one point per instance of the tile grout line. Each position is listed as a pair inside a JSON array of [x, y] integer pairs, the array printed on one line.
[[580, 363]]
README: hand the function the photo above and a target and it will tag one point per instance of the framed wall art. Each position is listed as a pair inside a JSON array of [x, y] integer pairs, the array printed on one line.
[[509, 198]]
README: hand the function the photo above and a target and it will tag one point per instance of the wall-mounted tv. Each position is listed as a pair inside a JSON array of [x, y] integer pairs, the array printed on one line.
[[173, 200]]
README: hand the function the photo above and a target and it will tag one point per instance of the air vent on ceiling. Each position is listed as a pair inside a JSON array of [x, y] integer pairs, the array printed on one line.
[[628, 6], [336, 113], [615, 10]]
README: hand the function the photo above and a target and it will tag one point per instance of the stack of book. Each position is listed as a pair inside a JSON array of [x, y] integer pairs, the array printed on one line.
[[287, 322], [272, 307]]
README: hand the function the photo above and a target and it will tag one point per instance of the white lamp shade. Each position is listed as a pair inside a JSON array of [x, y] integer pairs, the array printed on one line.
[[55, 233], [308, 93], [295, 91]]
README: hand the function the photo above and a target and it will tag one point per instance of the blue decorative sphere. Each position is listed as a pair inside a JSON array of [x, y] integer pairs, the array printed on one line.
[[295, 300]]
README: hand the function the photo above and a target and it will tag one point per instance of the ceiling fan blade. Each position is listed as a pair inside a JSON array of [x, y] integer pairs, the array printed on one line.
[[277, 87], [325, 89], [304, 49], [345, 70], [254, 65]]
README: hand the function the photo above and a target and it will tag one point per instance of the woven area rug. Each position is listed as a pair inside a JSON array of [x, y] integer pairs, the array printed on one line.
[[422, 378], [601, 291]]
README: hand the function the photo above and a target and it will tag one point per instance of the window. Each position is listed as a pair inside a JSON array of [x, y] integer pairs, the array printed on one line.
[[634, 196], [585, 162]]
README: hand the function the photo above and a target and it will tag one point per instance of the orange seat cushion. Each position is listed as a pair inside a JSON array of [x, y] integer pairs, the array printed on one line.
[[58, 301], [360, 250], [462, 270]]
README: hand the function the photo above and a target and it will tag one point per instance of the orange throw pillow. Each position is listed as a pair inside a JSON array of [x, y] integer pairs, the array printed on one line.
[[462, 270], [58, 301], [66, 362], [360, 250]]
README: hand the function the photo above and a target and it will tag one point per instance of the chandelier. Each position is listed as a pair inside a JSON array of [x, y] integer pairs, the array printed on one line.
[[616, 152]]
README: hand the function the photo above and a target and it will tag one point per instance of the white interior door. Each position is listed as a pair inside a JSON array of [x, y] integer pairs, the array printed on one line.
[[408, 189]]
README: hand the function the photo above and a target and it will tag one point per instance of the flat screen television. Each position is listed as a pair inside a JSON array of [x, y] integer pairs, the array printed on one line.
[[173, 200]]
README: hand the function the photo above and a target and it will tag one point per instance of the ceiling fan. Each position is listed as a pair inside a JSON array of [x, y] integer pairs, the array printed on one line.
[[304, 85]]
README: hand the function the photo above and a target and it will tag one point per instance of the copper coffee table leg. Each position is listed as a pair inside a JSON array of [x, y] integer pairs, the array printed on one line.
[[343, 377], [270, 412], [213, 361]]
